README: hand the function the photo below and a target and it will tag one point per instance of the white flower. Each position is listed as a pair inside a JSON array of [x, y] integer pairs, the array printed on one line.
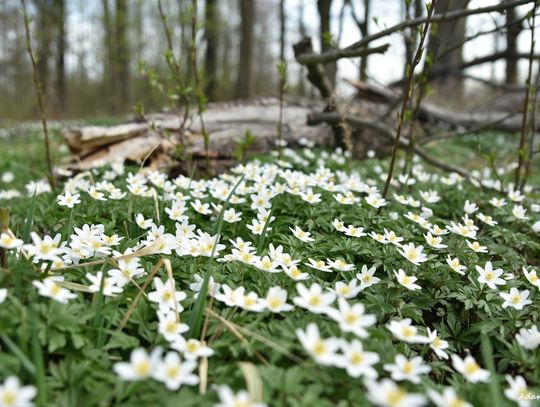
[[536, 227], [456, 265], [515, 298], [3, 294], [143, 223], [241, 399], [338, 225], [347, 290], [378, 237], [386, 393], [170, 326], [231, 216], [517, 390], [295, 273], [413, 254], [174, 372], [392, 237], [340, 265], [192, 348], [109, 287], [406, 281], [324, 351], [489, 276], [318, 265], [12, 394], [48, 287], [528, 338], [276, 300], [462, 230], [437, 344], [434, 241], [352, 318], [405, 369], [353, 231], [358, 362], [519, 212], [498, 203], [532, 277], [257, 227], [166, 295], [313, 299], [470, 207], [68, 199], [477, 247], [367, 278], [140, 366], [438, 231], [448, 398], [202, 208], [44, 249], [300, 234], [404, 331], [8, 241], [470, 370], [488, 220], [310, 197], [375, 200]]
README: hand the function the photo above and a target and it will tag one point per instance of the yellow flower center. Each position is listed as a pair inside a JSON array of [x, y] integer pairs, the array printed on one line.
[[143, 368], [55, 289], [172, 371], [489, 276], [319, 348], [275, 302], [9, 398], [351, 318], [192, 346], [315, 300], [516, 299], [167, 295], [408, 331], [471, 368], [412, 255], [357, 358], [395, 396], [408, 368]]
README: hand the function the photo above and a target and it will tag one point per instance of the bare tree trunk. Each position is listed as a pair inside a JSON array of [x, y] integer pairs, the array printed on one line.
[[364, 29], [60, 7], [303, 33], [44, 21], [282, 21], [122, 54], [446, 45], [109, 84], [513, 28], [325, 36], [247, 15], [211, 36]]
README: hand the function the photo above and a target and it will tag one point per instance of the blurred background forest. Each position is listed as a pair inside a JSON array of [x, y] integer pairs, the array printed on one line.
[[91, 51]]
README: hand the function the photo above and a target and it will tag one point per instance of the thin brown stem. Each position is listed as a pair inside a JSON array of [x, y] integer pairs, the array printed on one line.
[[39, 95], [407, 94]]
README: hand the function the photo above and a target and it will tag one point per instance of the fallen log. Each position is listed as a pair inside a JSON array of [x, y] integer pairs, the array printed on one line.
[[226, 123], [428, 112]]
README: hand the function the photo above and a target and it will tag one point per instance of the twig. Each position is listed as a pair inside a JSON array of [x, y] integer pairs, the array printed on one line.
[[39, 95], [407, 94]]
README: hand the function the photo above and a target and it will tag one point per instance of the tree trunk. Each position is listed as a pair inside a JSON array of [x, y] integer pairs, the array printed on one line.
[[445, 46], [210, 34], [282, 20], [247, 15], [122, 55], [44, 20], [109, 85], [60, 7], [364, 29], [325, 36], [513, 29]]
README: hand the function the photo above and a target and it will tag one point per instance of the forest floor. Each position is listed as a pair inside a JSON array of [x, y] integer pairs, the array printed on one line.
[[320, 292]]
